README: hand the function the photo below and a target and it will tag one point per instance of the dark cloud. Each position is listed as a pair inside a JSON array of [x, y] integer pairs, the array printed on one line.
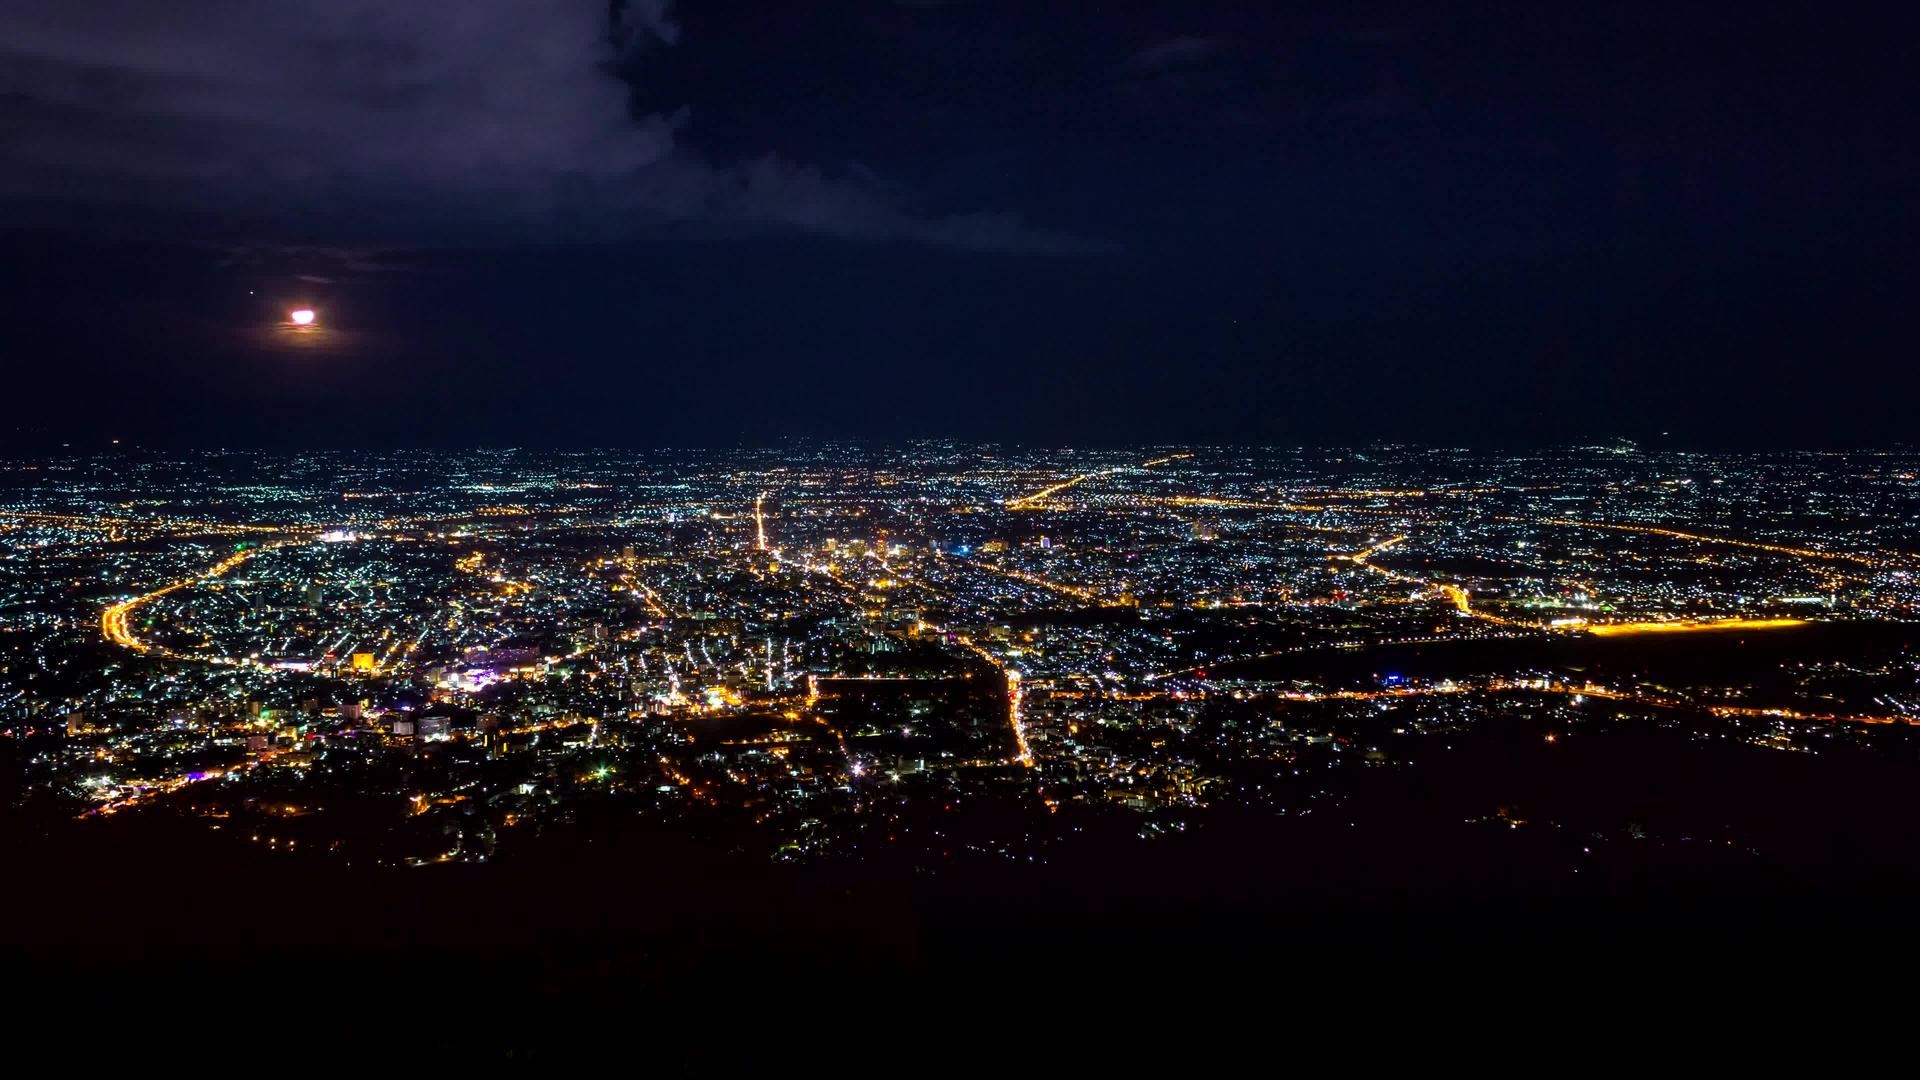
[[1175, 52], [396, 120], [333, 262]]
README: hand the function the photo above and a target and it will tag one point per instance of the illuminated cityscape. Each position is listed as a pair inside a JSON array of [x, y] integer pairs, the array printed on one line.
[[957, 536], [409, 659]]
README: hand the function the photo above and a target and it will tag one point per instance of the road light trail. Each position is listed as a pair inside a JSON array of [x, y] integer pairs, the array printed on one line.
[[1398, 493], [113, 621], [1698, 538], [1027, 502], [1682, 626], [1015, 694], [169, 786], [1364, 555], [1238, 504], [1208, 502], [157, 525], [1077, 592], [1462, 601], [1544, 686]]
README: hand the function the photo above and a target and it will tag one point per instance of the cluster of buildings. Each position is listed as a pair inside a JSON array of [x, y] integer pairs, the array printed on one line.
[[932, 651]]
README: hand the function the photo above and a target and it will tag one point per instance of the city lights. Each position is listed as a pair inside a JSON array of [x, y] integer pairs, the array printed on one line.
[[833, 664]]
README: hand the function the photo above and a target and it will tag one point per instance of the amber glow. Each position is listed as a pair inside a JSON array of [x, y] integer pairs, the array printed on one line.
[[1678, 626]]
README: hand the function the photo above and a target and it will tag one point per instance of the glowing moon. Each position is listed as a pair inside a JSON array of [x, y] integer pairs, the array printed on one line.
[[302, 317]]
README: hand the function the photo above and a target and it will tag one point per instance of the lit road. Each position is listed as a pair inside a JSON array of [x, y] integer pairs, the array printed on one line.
[[1681, 626], [1033, 501], [113, 621], [1592, 690], [169, 786], [1015, 693], [1459, 597], [1064, 589], [1698, 538]]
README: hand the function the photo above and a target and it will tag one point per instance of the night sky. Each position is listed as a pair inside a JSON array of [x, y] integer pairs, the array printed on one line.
[[560, 222]]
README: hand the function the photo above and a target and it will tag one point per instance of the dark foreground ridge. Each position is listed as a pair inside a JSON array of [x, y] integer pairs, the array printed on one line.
[[612, 944], [958, 757]]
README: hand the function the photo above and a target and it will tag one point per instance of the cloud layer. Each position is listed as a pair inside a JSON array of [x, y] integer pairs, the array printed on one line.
[[394, 119]]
